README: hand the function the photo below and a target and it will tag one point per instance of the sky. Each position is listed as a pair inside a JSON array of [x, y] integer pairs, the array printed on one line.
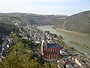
[[50, 7]]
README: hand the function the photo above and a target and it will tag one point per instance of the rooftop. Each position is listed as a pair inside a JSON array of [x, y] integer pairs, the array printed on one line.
[[53, 45]]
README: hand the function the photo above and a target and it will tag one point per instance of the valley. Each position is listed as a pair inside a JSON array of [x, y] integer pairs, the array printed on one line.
[[57, 40]]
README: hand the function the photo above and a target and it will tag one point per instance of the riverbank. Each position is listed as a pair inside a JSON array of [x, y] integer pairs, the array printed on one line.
[[72, 32], [67, 36], [80, 40]]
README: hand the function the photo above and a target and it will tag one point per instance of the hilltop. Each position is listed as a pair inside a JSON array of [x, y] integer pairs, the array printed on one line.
[[33, 19]]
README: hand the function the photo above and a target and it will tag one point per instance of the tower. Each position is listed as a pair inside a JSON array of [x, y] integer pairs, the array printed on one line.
[[43, 47]]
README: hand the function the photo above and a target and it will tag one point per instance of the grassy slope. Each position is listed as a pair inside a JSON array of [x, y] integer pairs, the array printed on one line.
[[78, 22]]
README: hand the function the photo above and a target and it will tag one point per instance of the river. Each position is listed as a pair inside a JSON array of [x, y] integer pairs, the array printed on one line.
[[69, 37]]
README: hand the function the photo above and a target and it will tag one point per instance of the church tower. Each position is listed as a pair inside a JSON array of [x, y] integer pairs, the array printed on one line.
[[43, 47]]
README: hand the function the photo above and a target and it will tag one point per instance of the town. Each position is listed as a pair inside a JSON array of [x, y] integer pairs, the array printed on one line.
[[49, 49]]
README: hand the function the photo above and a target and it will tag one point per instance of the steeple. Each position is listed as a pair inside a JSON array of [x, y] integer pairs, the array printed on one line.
[[43, 47]]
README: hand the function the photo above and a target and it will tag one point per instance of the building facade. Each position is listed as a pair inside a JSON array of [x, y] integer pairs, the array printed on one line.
[[50, 50]]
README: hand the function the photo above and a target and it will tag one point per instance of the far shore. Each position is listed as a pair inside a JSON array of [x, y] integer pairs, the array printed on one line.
[[72, 32]]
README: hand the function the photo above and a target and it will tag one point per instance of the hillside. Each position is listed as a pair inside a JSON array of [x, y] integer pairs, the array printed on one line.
[[78, 22], [7, 28], [26, 18]]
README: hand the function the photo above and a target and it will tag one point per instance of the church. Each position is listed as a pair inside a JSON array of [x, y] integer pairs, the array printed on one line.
[[50, 50]]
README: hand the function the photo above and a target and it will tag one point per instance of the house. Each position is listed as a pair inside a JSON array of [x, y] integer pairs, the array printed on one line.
[[69, 66], [1, 59], [64, 61], [79, 62], [63, 52], [50, 50]]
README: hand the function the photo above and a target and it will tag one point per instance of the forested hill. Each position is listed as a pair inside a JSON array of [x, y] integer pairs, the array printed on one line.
[[8, 28], [78, 22], [26, 18]]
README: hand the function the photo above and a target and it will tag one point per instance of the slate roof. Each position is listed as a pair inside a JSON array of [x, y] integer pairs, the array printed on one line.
[[53, 45]]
